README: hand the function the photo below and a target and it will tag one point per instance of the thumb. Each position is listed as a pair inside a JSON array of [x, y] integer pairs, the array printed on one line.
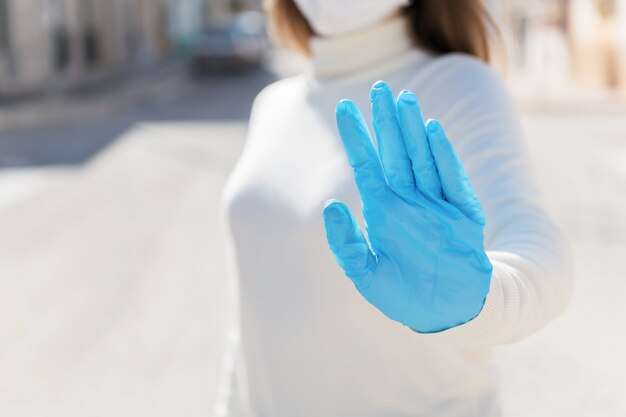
[[347, 242]]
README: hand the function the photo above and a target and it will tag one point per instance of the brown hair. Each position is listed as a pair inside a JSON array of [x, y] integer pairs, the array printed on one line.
[[441, 26]]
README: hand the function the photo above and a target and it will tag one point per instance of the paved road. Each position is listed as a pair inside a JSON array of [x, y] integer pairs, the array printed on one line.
[[576, 367], [175, 98], [113, 288]]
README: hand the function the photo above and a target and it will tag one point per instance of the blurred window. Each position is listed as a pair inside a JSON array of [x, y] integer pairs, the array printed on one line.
[[90, 39], [61, 47], [91, 46]]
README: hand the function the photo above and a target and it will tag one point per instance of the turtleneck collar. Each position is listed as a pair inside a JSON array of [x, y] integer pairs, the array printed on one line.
[[358, 50]]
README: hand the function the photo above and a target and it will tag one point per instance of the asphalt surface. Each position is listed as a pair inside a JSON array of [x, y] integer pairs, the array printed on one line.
[[113, 289], [66, 139]]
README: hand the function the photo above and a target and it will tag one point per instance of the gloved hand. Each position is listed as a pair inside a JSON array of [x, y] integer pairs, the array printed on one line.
[[425, 265]]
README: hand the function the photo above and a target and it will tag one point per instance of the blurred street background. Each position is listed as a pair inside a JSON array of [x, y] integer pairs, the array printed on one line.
[[119, 123]]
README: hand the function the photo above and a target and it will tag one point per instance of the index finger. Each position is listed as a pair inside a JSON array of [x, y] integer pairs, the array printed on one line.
[[359, 148]]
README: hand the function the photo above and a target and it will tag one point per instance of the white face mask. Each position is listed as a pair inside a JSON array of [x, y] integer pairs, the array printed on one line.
[[333, 17]]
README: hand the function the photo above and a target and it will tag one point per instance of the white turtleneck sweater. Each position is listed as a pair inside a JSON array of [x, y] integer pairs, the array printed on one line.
[[304, 342]]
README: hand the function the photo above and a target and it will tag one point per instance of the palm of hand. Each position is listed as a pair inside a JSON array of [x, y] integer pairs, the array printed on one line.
[[425, 265]]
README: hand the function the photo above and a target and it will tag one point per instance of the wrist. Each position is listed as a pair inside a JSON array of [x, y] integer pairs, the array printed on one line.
[[500, 309]]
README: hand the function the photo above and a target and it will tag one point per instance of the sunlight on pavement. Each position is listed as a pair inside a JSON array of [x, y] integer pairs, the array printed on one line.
[[129, 288]]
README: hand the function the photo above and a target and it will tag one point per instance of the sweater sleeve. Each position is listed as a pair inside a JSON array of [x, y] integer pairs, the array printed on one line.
[[532, 279]]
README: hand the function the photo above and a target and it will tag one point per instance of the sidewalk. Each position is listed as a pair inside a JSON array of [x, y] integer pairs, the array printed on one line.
[[566, 98], [104, 98]]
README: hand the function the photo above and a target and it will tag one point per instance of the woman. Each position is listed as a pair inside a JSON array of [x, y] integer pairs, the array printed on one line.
[[446, 272]]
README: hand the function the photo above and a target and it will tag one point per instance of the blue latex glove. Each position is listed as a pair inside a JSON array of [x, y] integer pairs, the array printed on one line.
[[425, 265]]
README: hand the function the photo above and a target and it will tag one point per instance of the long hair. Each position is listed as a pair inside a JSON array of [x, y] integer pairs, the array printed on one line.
[[440, 26]]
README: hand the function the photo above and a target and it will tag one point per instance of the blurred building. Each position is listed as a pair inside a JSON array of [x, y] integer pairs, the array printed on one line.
[[599, 42], [564, 42], [53, 45]]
